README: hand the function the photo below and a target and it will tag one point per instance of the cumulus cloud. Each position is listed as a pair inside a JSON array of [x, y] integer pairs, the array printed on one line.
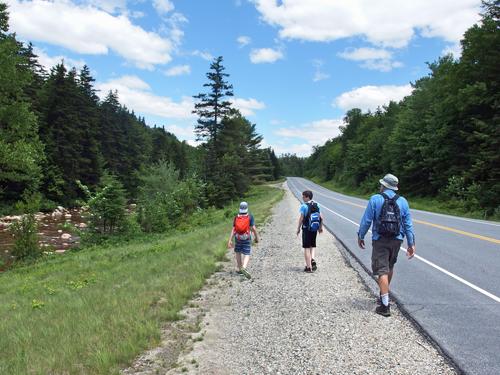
[[265, 55], [162, 7], [243, 40], [247, 106], [50, 61], [88, 30], [137, 95], [454, 49], [372, 58], [309, 135], [203, 54], [319, 75], [370, 97], [392, 23], [178, 70]]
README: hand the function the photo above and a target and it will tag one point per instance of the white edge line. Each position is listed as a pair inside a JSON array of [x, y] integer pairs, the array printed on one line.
[[452, 275]]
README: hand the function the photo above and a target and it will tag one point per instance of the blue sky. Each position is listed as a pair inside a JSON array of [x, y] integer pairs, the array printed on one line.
[[296, 65]]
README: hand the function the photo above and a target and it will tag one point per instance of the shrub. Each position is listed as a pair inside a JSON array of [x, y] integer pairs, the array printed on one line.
[[106, 207], [25, 230]]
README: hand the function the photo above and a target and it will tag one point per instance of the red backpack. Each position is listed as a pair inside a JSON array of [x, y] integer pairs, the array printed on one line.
[[242, 227]]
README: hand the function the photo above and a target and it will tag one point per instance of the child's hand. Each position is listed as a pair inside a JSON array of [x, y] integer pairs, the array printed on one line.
[[256, 239], [230, 244]]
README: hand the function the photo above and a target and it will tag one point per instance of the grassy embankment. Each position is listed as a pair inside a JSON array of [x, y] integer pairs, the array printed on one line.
[[419, 203], [93, 311]]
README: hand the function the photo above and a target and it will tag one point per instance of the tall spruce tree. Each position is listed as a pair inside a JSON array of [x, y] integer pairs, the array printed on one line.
[[20, 149]]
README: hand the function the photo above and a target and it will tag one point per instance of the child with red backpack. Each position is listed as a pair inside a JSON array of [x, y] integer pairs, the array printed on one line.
[[243, 224]]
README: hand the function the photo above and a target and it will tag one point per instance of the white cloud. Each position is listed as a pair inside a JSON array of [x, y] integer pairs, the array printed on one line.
[[182, 132], [454, 49], [370, 97], [318, 74], [50, 61], [137, 95], [203, 54], [247, 106], [388, 23], [265, 55], [88, 30], [243, 40], [360, 54], [373, 58], [163, 6], [137, 14], [178, 70], [110, 6], [315, 132]]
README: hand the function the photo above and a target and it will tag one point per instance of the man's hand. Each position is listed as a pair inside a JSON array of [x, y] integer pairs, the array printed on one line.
[[410, 252], [320, 230], [361, 243], [298, 231]]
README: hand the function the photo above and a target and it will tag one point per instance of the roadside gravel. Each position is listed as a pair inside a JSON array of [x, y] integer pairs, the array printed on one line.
[[285, 321]]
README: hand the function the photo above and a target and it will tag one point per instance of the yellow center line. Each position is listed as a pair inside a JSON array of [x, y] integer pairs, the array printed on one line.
[[464, 233]]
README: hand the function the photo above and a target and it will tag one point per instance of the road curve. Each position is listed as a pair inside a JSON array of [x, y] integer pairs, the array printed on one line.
[[451, 288]]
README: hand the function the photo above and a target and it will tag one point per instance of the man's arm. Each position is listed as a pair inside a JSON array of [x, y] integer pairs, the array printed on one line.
[[366, 221], [299, 226], [320, 223], [254, 230], [230, 241], [408, 229]]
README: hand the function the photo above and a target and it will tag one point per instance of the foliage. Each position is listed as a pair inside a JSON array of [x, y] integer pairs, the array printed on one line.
[[164, 199], [106, 207], [25, 230]]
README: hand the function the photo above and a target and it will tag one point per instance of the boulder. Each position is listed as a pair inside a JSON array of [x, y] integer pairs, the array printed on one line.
[[82, 225], [65, 236]]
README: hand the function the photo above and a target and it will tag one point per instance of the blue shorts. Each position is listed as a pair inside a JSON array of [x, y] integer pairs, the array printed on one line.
[[243, 247]]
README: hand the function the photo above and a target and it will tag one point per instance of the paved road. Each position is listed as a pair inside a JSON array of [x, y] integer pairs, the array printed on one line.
[[451, 288]]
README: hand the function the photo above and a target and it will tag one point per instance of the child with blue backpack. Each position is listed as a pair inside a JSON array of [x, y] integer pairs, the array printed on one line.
[[311, 222]]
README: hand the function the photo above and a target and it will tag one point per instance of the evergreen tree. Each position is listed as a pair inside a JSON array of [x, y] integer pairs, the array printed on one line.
[[20, 149]]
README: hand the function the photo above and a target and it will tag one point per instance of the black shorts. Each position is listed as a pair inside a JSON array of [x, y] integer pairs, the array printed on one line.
[[308, 238]]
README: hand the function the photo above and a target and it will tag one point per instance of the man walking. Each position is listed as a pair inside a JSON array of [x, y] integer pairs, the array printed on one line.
[[311, 222], [390, 214]]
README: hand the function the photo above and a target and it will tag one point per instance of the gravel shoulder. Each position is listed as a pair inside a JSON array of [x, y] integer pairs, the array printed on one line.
[[285, 321]]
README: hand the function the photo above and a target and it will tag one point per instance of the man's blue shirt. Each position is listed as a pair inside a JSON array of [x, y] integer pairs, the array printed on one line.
[[373, 210]]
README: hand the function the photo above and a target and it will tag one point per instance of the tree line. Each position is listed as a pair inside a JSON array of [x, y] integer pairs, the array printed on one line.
[[442, 141], [56, 136]]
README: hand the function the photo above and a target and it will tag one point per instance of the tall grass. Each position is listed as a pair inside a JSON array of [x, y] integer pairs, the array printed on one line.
[[93, 311]]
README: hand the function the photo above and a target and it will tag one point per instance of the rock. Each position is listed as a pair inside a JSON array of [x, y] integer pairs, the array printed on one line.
[[59, 231], [82, 225], [65, 236], [67, 216], [60, 251], [60, 208], [56, 214], [132, 206]]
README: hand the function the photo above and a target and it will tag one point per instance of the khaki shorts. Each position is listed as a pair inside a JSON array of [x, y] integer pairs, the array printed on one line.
[[384, 255]]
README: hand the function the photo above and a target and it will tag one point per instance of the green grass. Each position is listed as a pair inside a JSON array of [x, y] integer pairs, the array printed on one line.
[[419, 203], [93, 311]]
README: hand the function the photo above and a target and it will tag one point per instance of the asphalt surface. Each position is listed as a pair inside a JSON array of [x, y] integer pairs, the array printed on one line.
[[452, 286]]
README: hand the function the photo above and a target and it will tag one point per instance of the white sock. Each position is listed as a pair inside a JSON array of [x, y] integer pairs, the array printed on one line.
[[385, 299]]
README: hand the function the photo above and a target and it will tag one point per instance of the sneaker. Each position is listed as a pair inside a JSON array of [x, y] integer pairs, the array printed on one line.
[[239, 272], [308, 269], [383, 310], [313, 264], [245, 273]]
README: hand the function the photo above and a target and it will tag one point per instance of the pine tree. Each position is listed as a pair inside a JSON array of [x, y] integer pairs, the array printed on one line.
[[20, 149]]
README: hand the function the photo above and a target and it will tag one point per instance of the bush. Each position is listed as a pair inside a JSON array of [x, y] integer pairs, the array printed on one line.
[[164, 200], [25, 230], [106, 207]]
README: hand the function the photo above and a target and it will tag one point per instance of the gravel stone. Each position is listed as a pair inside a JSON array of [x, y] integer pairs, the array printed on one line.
[[286, 321]]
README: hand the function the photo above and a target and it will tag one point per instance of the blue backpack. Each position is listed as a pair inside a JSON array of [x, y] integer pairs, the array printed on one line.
[[313, 217]]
